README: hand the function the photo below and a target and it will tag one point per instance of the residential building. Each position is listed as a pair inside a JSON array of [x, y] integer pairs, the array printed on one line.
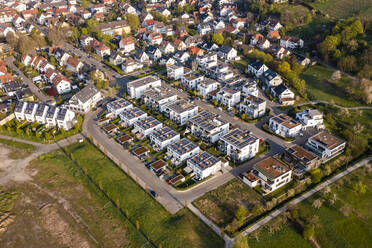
[[285, 95], [204, 28], [19, 110], [117, 106], [239, 145], [257, 68], [65, 118], [127, 44], [51, 116], [206, 85], [191, 80], [296, 156], [174, 72], [290, 42], [181, 150], [85, 99], [40, 114], [284, 125], [136, 88], [163, 137], [270, 174], [146, 126], [253, 106], [30, 111], [115, 27], [204, 165], [179, 111], [228, 96], [155, 98], [310, 118], [130, 65], [208, 126], [227, 52], [271, 78], [61, 84], [132, 115], [250, 88], [325, 145]]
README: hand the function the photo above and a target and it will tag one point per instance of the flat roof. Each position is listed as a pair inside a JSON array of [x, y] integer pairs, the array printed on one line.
[[181, 106], [147, 123], [183, 146], [143, 81], [132, 113], [124, 138], [159, 164], [109, 127], [158, 93], [326, 139], [140, 151], [207, 120], [119, 104], [164, 133], [300, 153], [285, 120], [271, 167], [203, 160], [239, 138]]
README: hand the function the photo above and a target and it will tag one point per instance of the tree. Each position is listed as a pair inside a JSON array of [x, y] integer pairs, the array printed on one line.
[[317, 203], [241, 242], [218, 38], [359, 187], [316, 175], [256, 210], [11, 39], [133, 21], [56, 36], [240, 214], [26, 44], [308, 18], [85, 3], [75, 34], [308, 232]]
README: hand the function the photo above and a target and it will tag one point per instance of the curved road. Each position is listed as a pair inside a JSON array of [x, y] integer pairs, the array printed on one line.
[[338, 106]]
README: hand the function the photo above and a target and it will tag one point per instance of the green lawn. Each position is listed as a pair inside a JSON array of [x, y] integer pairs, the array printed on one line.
[[337, 9], [319, 88], [346, 222], [180, 230]]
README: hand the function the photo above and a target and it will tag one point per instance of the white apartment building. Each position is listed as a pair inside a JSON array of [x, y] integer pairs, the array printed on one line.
[[85, 99], [270, 174], [228, 96], [179, 111], [132, 115], [203, 165], [19, 110], [65, 118], [208, 126], [253, 106], [117, 106], [257, 68], [136, 88], [175, 72], [239, 145], [250, 88], [146, 126], [30, 111], [191, 80], [163, 137], [51, 116], [155, 98], [40, 114], [310, 118], [284, 125], [181, 150], [325, 145], [207, 85]]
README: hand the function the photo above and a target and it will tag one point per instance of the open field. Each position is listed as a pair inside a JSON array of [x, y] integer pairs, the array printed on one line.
[[180, 230], [221, 204], [18, 150], [343, 219], [319, 88], [338, 9]]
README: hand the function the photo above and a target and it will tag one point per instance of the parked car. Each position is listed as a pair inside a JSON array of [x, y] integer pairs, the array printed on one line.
[[153, 193]]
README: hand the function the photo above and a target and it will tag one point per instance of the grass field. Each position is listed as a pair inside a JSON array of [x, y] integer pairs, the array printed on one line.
[[337, 9], [221, 204], [318, 88], [180, 230], [18, 149], [343, 220]]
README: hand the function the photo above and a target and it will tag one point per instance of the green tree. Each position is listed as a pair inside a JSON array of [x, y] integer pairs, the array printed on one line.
[[359, 187], [133, 21], [240, 214], [218, 38], [308, 232], [256, 210], [316, 175]]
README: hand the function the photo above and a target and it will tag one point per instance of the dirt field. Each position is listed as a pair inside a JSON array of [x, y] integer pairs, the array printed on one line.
[[44, 206]]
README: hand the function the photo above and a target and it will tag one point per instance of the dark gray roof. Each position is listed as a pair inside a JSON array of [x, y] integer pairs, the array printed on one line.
[[85, 94]]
